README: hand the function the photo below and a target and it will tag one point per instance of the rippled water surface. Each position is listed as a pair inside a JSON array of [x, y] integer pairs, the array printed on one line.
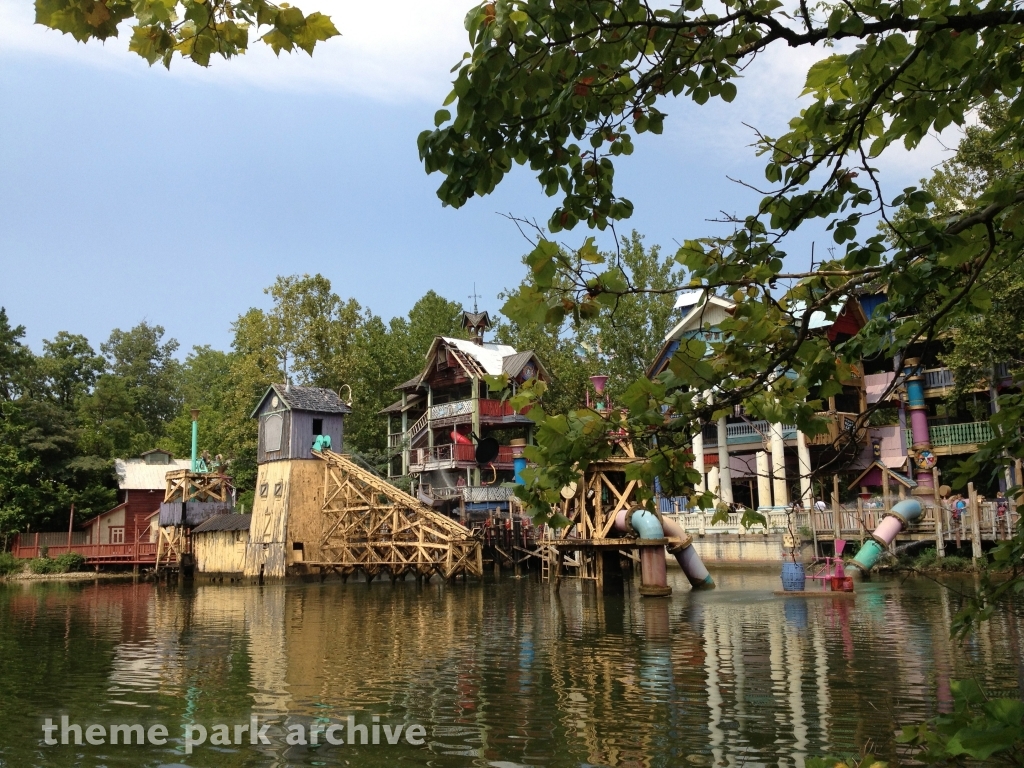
[[500, 674]]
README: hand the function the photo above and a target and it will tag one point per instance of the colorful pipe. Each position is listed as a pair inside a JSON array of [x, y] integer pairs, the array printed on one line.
[[918, 420], [654, 576], [898, 518], [687, 557]]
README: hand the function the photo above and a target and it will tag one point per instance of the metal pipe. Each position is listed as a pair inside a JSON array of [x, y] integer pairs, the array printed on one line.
[[653, 573], [195, 438], [898, 518], [687, 557]]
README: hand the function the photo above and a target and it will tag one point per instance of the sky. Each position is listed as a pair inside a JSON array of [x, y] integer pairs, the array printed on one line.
[[131, 193]]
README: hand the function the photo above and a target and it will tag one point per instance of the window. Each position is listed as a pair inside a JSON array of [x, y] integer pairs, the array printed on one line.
[[117, 534], [272, 428], [318, 426], [264, 489], [278, 488]]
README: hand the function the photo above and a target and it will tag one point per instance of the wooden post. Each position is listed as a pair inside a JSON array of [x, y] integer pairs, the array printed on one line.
[[940, 539], [886, 498], [71, 523], [860, 520], [975, 511], [837, 523]]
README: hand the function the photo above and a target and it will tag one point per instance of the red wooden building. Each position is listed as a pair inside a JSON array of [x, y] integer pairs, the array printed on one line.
[[122, 534]]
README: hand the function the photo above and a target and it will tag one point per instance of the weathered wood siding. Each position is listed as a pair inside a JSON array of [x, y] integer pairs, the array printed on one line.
[[266, 547], [262, 454], [305, 503], [220, 551], [191, 513], [302, 434], [141, 504]]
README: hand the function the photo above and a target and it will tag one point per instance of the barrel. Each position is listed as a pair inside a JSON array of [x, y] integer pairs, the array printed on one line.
[[793, 577]]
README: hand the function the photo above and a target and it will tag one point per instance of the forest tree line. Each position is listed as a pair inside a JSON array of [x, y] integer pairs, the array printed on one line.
[[67, 411]]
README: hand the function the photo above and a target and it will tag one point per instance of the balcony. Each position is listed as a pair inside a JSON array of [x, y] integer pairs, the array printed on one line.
[[937, 380], [472, 494], [462, 411], [452, 456], [745, 433], [947, 436]]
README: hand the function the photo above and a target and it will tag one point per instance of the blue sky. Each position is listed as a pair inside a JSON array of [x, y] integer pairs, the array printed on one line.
[[131, 193]]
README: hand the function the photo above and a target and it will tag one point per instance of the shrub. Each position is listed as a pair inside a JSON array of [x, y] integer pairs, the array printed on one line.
[[69, 562], [42, 565], [929, 560], [9, 564]]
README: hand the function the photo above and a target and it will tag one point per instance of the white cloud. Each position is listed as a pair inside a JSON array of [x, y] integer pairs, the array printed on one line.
[[397, 51]]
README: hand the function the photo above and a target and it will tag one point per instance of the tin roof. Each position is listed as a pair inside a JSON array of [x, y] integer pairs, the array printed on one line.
[[227, 522], [137, 475]]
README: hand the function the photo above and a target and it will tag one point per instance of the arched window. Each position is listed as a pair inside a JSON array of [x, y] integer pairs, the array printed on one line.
[[273, 425]]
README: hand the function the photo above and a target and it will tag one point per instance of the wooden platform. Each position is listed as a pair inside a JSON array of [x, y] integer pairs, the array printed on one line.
[[814, 593]]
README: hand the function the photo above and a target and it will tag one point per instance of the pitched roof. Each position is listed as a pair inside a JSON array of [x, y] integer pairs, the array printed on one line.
[[413, 383], [488, 356], [137, 475], [295, 398], [476, 319], [227, 522], [513, 364], [395, 407]]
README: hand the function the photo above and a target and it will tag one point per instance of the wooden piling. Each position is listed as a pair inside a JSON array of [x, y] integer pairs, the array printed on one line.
[[975, 510], [837, 527], [940, 539]]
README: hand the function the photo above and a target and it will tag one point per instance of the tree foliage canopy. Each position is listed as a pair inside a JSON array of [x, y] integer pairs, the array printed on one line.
[[564, 86], [197, 30]]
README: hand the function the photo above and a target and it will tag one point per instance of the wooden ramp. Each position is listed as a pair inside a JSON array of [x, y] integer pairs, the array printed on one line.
[[369, 525]]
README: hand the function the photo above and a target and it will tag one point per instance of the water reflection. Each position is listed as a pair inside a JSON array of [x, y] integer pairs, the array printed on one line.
[[502, 674]]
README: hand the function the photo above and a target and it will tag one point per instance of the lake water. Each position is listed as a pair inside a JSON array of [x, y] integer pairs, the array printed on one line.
[[498, 674]]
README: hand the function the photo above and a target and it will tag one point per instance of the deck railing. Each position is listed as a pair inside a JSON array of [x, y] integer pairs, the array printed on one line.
[[140, 551], [446, 456], [854, 522], [969, 433], [745, 432], [937, 378]]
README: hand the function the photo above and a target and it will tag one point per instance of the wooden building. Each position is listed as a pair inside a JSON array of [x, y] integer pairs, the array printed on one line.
[[290, 478], [141, 483], [292, 417], [434, 428], [317, 512], [219, 544]]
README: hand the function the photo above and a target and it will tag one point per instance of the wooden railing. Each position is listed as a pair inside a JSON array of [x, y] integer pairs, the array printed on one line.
[[745, 432], [140, 551], [854, 522], [969, 433], [441, 456]]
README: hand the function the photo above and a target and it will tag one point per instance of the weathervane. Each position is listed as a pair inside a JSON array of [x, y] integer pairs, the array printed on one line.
[[474, 296]]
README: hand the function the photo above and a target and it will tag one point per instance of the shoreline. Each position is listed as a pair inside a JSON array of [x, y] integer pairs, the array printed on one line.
[[72, 577]]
